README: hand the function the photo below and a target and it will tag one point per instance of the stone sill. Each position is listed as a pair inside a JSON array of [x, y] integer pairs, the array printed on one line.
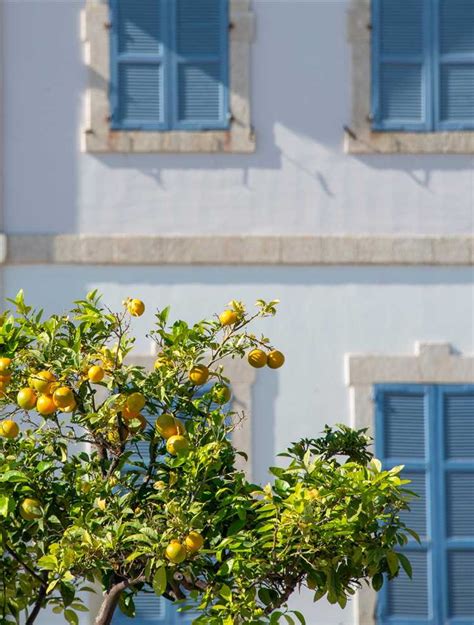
[[367, 142]]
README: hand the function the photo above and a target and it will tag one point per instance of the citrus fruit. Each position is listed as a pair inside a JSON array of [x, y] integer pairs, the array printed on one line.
[[30, 509], [167, 426], [4, 381], [199, 374], [135, 307], [5, 365], [63, 396], [228, 317], [175, 552], [129, 414], [96, 374], [275, 359], [26, 398], [137, 424], [257, 358], [42, 380], [45, 405], [162, 361], [177, 444], [9, 429], [194, 541], [159, 485], [221, 393], [135, 402], [101, 504], [70, 408]]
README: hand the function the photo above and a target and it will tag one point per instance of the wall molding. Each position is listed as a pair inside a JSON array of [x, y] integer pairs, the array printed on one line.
[[432, 363], [97, 135], [82, 249]]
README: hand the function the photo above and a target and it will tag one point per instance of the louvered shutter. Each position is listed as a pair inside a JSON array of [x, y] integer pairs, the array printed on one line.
[[455, 100], [199, 92], [150, 610], [403, 437], [401, 65], [456, 409], [138, 64]]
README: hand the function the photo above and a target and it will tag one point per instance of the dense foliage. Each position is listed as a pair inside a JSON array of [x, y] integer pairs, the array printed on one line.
[[82, 505]]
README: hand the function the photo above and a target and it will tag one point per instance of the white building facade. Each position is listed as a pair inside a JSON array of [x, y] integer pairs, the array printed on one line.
[[274, 178]]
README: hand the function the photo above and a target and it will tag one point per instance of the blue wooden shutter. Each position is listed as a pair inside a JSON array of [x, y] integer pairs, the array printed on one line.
[[454, 54], [199, 91], [403, 437], [401, 65], [456, 476], [138, 64]]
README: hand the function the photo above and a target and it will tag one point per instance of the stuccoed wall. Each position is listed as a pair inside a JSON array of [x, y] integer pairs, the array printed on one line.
[[324, 314], [298, 181]]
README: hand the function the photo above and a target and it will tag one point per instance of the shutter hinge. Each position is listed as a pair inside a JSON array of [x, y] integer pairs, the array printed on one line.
[[107, 25], [370, 117], [231, 25], [369, 26]]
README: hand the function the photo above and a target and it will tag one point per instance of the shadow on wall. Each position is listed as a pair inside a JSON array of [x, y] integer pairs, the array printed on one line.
[[42, 111], [265, 393]]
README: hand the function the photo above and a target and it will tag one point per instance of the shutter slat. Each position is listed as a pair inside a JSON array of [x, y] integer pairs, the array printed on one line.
[[139, 21], [140, 86], [201, 64], [399, 58], [457, 93], [460, 503], [456, 26], [409, 597], [404, 425], [461, 584], [415, 518], [150, 610], [459, 426]]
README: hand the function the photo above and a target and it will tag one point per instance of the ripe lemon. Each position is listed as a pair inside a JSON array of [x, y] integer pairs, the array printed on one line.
[[70, 408], [194, 541], [167, 426], [228, 318], [135, 307], [63, 396], [257, 358], [4, 381], [45, 405], [177, 444], [175, 552], [129, 414], [42, 381], [9, 429], [199, 374], [95, 374], [26, 398], [275, 359], [135, 402], [162, 361], [5, 365], [221, 393], [30, 509]]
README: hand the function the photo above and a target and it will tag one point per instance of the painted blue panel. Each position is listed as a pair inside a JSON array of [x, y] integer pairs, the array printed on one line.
[[461, 584], [460, 504], [150, 610], [403, 424], [139, 91], [199, 92], [408, 598], [139, 21], [456, 26], [459, 425], [401, 62], [457, 94]]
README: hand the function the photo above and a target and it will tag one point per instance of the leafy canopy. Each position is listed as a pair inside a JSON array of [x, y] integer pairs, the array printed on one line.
[[107, 492]]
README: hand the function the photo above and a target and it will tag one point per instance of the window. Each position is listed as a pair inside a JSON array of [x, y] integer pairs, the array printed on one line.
[[423, 65], [169, 64], [430, 430]]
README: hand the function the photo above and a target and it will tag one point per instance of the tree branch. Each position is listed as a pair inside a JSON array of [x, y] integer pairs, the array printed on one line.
[[39, 600], [27, 567], [111, 599]]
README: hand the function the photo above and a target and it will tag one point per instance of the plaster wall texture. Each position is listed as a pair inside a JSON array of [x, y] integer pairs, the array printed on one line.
[[299, 181], [325, 313]]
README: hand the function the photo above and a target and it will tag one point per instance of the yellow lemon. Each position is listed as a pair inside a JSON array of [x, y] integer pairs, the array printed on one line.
[[275, 359], [162, 361], [135, 307], [96, 374], [137, 424], [177, 444], [30, 509], [70, 408], [194, 541], [42, 381], [4, 381], [26, 398], [5, 365], [9, 429], [135, 402], [63, 396], [199, 374], [167, 426], [228, 318], [175, 552], [257, 358], [45, 405]]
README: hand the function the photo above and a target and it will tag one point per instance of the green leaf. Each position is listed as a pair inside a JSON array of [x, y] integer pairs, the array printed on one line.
[[377, 581], [405, 562], [275, 617], [48, 563], [392, 561], [159, 581], [4, 505], [300, 617], [225, 592], [289, 620], [71, 617]]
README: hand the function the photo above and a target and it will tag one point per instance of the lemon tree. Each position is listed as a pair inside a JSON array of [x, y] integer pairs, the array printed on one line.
[[84, 509]]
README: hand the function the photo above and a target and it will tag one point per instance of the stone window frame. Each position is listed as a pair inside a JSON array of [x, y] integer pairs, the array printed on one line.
[[432, 363], [359, 138], [98, 136]]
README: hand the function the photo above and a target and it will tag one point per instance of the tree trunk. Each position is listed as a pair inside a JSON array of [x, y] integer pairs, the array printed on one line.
[[109, 604]]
